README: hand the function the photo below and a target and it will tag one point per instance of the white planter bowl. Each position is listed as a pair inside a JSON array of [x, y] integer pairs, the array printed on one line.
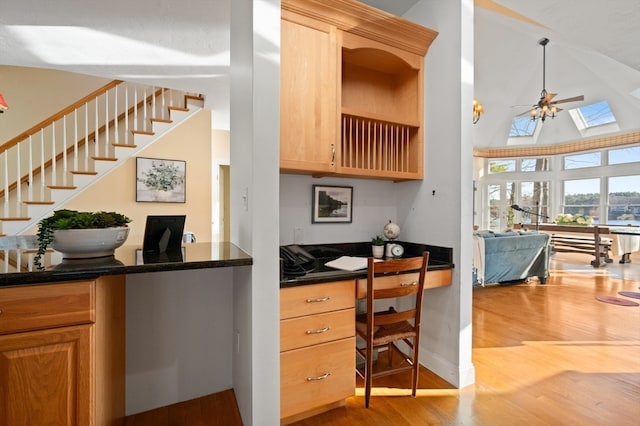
[[88, 243]]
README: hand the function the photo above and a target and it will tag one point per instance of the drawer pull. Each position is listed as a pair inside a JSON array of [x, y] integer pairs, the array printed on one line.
[[324, 376], [412, 283], [318, 299], [320, 331]]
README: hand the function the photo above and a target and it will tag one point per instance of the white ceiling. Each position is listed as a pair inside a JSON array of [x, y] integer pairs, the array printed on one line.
[[594, 51]]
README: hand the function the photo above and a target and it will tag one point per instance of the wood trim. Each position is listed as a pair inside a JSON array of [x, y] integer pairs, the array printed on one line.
[[360, 19], [621, 139]]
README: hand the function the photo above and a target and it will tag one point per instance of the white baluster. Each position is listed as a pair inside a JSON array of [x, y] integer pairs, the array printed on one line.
[[115, 114], [75, 139], [43, 183], [54, 177], [19, 185], [144, 108], [86, 135], [106, 124], [135, 108], [6, 183], [126, 114], [64, 150], [30, 183], [95, 131]]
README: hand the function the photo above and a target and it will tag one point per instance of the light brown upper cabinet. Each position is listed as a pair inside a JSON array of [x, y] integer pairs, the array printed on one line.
[[351, 91]]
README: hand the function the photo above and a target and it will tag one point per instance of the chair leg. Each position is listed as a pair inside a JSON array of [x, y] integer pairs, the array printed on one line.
[[415, 370], [368, 372], [389, 354]]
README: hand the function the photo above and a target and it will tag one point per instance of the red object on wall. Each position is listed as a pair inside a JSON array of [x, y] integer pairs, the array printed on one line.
[[3, 103]]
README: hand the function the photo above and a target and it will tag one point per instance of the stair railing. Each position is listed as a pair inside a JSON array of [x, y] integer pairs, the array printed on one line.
[[74, 138]]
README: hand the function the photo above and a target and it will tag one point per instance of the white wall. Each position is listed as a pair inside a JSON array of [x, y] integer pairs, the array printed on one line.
[[179, 336], [444, 217], [374, 204], [255, 132]]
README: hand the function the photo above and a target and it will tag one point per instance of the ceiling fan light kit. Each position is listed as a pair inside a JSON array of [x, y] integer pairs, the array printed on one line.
[[545, 107]]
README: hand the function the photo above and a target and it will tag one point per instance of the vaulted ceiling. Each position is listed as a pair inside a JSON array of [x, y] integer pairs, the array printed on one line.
[[594, 51]]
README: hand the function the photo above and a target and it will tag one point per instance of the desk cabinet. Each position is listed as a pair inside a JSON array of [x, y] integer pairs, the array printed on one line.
[[351, 91], [317, 348], [62, 353]]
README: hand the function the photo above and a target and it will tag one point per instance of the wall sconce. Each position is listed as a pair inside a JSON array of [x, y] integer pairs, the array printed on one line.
[[478, 109], [3, 104]]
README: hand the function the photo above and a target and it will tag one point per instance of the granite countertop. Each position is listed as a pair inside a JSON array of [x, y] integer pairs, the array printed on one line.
[[128, 260], [439, 258]]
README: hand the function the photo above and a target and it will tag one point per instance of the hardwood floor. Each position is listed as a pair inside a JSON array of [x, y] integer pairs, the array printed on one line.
[[544, 355]]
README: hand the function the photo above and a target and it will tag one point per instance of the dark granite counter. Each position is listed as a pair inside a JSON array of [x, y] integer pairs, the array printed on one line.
[[439, 258], [129, 260]]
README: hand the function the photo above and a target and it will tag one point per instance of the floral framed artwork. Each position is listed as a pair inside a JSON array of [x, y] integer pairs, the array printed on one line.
[[160, 181], [332, 204]]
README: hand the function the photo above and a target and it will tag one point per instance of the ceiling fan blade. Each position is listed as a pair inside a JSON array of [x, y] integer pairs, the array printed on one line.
[[527, 112], [574, 99]]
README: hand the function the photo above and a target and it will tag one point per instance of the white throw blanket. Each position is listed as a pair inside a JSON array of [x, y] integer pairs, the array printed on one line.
[[478, 258]]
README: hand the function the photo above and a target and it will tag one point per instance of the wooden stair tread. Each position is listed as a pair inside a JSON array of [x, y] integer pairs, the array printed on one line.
[[14, 219], [61, 187], [124, 145], [175, 108], [38, 203], [83, 172], [161, 120], [142, 132], [104, 158]]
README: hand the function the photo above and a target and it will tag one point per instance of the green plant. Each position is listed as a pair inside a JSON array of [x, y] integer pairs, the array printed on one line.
[[377, 241], [163, 176], [72, 219]]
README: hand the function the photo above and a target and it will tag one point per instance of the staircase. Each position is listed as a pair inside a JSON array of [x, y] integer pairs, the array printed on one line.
[[48, 165]]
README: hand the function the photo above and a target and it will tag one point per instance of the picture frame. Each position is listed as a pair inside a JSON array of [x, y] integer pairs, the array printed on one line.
[[332, 204], [160, 180]]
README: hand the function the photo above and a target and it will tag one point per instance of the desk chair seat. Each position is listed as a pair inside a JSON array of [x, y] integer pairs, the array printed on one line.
[[385, 328]]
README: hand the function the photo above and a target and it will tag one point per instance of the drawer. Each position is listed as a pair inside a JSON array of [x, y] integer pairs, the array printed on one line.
[[319, 328], [44, 306], [316, 376], [433, 279], [316, 298]]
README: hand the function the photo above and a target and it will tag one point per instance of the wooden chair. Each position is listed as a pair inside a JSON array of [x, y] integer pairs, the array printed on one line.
[[385, 328]]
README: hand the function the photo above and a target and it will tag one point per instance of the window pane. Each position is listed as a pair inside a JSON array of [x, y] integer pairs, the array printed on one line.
[[596, 114], [494, 206], [578, 161], [522, 126], [502, 166], [533, 198], [624, 155], [624, 200], [534, 165], [582, 197]]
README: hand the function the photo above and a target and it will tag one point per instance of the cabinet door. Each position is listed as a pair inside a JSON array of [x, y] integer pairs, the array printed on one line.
[[308, 97], [45, 377]]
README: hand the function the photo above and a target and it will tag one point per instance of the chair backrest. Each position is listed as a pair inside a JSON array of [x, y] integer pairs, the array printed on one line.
[[396, 266]]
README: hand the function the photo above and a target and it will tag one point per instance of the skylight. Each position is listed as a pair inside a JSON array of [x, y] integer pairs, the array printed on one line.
[[593, 115], [522, 126]]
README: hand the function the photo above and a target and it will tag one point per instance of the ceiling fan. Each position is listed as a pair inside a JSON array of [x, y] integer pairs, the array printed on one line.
[[546, 106]]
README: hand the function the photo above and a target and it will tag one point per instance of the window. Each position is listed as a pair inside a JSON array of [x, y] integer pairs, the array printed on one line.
[[594, 115], [624, 155], [534, 165], [534, 197], [582, 197], [502, 166], [579, 161], [522, 126], [624, 200]]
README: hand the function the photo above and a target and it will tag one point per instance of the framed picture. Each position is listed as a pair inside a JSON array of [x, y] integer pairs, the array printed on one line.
[[332, 204], [160, 181]]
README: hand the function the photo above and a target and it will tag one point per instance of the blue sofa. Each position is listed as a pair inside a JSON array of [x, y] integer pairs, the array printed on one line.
[[510, 256]]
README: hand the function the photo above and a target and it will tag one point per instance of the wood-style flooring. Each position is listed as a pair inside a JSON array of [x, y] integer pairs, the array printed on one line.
[[543, 355]]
